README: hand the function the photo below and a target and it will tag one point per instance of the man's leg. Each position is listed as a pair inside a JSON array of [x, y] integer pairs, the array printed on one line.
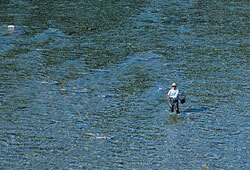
[[171, 104], [177, 107]]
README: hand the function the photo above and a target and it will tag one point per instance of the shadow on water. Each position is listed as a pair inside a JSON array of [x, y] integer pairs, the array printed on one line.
[[174, 118], [202, 109]]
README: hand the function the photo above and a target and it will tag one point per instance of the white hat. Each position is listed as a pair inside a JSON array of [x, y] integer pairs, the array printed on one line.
[[174, 85]]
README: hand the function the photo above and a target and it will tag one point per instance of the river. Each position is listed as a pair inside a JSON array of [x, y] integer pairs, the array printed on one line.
[[83, 84]]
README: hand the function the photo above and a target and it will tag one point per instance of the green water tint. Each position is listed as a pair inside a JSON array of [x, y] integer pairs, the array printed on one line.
[[85, 86]]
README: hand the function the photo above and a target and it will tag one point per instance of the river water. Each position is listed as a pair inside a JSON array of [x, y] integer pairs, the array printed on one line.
[[83, 84]]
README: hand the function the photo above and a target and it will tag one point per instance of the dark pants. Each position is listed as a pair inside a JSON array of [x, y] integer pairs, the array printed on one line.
[[174, 105]]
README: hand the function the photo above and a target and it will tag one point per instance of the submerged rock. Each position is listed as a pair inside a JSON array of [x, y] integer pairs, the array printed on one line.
[[12, 30], [97, 137], [105, 95], [102, 137]]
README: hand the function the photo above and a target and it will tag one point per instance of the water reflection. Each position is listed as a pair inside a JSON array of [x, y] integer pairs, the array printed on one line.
[[175, 118]]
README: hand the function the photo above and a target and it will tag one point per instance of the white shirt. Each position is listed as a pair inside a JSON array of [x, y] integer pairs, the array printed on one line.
[[173, 93]]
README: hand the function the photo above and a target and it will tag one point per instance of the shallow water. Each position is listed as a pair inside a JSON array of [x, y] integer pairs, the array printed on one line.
[[83, 85]]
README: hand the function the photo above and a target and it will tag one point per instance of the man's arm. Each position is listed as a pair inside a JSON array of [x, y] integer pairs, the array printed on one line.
[[168, 94]]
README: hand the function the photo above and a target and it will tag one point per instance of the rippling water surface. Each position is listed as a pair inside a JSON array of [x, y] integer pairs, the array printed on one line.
[[83, 84]]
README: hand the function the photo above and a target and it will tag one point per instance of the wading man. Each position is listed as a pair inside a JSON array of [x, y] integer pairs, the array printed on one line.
[[173, 98]]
